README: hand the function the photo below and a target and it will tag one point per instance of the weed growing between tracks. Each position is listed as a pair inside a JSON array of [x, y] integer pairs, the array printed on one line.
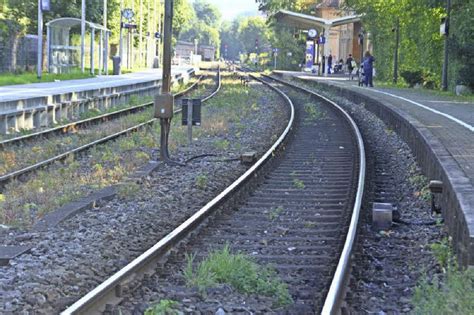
[[164, 307], [239, 271]]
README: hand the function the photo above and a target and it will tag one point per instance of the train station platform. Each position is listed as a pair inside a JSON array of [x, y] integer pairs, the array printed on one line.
[[28, 106], [440, 132]]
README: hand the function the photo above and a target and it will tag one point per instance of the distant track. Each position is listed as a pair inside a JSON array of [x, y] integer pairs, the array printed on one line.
[[4, 179]]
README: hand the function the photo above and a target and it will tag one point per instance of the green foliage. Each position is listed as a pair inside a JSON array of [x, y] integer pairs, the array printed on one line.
[[298, 183], [165, 307], [275, 212], [239, 271], [451, 292], [201, 181], [412, 77], [30, 77]]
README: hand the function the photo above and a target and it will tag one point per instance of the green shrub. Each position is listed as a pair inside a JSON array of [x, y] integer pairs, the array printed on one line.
[[239, 271], [412, 77]]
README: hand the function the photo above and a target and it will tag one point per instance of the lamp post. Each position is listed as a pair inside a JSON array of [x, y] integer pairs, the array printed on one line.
[[444, 78], [83, 35], [395, 58], [40, 41]]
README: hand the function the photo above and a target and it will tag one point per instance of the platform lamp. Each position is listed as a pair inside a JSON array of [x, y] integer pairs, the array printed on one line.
[[43, 6]]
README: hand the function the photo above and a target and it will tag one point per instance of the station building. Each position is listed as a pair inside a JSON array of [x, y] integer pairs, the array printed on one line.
[[340, 28]]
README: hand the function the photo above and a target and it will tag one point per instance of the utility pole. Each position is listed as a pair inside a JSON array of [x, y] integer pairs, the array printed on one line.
[[444, 79], [104, 39], [395, 58], [166, 110], [83, 35], [40, 40]]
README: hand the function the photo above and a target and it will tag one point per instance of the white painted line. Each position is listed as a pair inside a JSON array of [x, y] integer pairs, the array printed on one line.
[[453, 102], [458, 121]]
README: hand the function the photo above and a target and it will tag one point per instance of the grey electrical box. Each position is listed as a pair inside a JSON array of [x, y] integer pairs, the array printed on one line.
[[164, 105]]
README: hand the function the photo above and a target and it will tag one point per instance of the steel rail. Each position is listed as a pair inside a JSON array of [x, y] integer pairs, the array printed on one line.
[[88, 121], [13, 175], [335, 295], [93, 301]]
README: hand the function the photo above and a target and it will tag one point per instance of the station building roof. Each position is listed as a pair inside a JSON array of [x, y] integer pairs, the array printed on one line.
[[68, 22], [305, 21]]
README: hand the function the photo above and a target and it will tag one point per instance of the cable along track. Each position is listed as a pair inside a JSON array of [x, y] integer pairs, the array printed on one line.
[[311, 174], [6, 178]]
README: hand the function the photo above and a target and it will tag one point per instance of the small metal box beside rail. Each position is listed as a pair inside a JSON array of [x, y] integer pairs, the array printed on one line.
[[196, 111], [164, 105]]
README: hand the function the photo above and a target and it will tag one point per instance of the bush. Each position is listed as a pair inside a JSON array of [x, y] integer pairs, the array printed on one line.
[[430, 80], [465, 75], [412, 77]]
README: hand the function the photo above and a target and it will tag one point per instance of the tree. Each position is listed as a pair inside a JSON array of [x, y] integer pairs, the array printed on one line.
[[420, 45]]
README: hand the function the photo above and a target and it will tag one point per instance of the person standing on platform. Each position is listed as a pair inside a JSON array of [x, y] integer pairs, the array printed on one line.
[[329, 63], [369, 69], [350, 68], [329, 60]]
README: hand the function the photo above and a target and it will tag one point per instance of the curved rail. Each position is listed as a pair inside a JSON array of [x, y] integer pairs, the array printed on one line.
[[94, 300], [13, 175], [88, 121], [335, 295]]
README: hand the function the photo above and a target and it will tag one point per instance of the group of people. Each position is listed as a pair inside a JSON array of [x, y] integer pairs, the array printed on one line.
[[365, 71]]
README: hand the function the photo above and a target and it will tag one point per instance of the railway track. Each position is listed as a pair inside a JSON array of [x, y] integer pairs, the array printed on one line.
[[6, 178], [297, 208]]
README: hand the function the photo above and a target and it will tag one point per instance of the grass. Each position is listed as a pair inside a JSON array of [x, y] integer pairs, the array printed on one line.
[[449, 94], [420, 182], [298, 183], [31, 77], [275, 213], [201, 181], [164, 307], [450, 292], [23, 203], [313, 112], [238, 271], [20, 156]]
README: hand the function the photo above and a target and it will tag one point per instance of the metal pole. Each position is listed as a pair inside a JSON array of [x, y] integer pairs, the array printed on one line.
[[103, 36], [190, 121], [83, 35], [444, 79], [48, 45], [395, 58], [140, 39], [166, 84], [92, 51], [106, 53], [39, 65], [166, 87]]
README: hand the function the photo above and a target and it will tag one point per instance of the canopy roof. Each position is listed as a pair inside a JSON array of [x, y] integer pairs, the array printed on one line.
[[308, 21], [68, 22]]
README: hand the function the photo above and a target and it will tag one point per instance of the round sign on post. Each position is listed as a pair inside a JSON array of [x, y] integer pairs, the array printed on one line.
[[312, 33], [128, 14]]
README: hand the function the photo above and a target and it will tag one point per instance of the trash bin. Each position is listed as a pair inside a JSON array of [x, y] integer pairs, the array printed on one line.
[[116, 62], [156, 63]]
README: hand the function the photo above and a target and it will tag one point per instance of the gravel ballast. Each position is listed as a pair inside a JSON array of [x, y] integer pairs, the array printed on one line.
[[71, 259], [389, 264]]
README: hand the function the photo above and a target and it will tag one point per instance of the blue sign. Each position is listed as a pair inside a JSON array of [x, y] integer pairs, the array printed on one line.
[[157, 35], [275, 50], [309, 54], [322, 40], [45, 5]]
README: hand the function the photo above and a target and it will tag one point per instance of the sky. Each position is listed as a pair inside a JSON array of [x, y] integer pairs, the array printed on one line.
[[232, 8]]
